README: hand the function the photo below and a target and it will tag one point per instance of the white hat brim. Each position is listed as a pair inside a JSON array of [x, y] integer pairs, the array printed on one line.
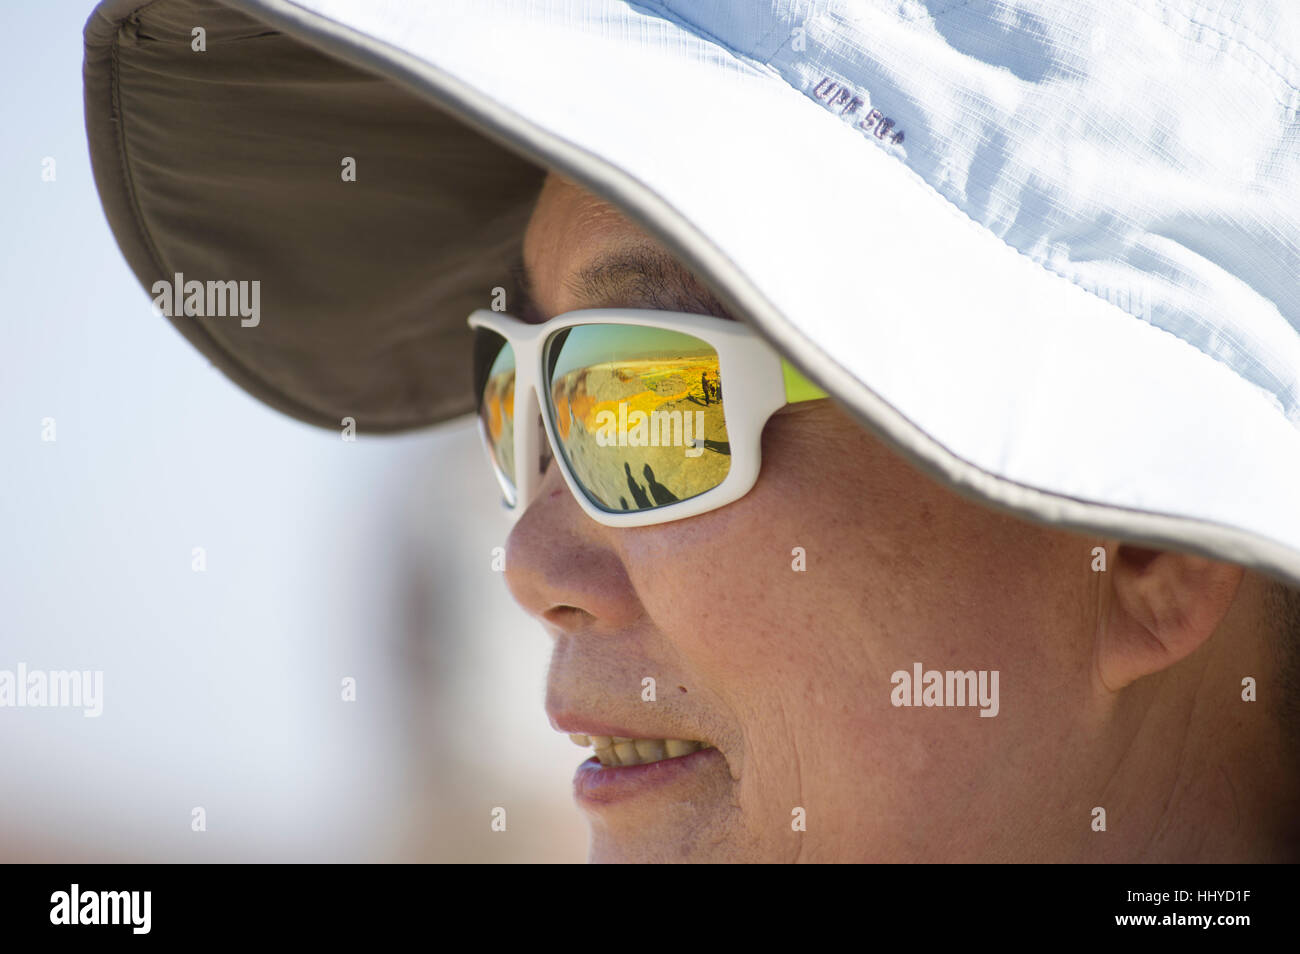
[[1005, 380]]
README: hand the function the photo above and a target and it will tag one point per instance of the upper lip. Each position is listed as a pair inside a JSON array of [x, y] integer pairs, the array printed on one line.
[[575, 723]]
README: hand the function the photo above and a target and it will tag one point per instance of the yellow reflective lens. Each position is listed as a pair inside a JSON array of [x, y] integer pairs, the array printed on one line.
[[497, 406], [638, 414]]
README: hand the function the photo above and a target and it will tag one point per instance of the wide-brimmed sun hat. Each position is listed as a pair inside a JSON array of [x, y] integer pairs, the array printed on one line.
[[1048, 249]]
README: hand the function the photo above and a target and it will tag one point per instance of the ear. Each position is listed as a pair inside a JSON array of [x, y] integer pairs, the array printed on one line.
[[1162, 607]]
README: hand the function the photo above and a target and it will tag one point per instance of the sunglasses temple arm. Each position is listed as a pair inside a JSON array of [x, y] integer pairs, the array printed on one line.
[[797, 387]]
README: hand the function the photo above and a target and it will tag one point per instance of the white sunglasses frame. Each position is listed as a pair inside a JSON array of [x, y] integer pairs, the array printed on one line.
[[759, 383]]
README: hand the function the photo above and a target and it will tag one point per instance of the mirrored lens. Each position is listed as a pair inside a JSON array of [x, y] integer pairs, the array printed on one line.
[[494, 372], [638, 414]]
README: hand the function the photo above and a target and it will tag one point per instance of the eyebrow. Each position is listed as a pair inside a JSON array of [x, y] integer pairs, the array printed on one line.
[[636, 276]]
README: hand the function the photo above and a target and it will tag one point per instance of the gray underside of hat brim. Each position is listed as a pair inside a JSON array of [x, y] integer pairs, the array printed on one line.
[[245, 183], [228, 166]]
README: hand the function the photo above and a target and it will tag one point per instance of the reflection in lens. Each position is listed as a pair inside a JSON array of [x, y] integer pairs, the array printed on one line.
[[638, 414], [496, 382]]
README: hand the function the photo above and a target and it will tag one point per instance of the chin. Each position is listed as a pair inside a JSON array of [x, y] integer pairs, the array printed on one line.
[[609, 849], [720, 844]]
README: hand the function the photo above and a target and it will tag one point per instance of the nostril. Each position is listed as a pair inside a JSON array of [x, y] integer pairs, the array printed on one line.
[[566, 615]]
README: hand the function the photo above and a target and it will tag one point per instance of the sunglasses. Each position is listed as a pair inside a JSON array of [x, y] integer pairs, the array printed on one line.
[[652, 416]]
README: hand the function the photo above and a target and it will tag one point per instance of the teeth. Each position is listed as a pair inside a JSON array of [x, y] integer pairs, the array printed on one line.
[[650, 750], [676, 747], [621, 750]]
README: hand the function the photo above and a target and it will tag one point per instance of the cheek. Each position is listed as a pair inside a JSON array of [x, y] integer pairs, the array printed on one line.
[[710, 584], [844, 548], [796, 604], [750, 588]]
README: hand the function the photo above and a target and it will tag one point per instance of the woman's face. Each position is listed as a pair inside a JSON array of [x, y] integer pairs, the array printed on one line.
[[786, 671]]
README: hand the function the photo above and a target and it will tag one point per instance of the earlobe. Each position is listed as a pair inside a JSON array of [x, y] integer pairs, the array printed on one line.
[[1161, 607]]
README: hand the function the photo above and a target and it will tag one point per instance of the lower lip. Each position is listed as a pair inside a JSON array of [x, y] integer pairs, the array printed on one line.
[[598, 784]]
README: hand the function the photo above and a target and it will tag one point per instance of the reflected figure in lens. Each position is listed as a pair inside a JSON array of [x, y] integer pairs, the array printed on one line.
[[638, 495], [661, 494]]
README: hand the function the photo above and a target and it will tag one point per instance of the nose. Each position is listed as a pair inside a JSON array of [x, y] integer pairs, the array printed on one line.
[[566, 569]]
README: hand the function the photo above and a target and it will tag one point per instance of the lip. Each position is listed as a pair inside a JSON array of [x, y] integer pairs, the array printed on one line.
[[595, 785], [581, 725]]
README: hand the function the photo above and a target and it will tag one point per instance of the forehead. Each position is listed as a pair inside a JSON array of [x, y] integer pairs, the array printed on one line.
[[579, 251], [568, 223]]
